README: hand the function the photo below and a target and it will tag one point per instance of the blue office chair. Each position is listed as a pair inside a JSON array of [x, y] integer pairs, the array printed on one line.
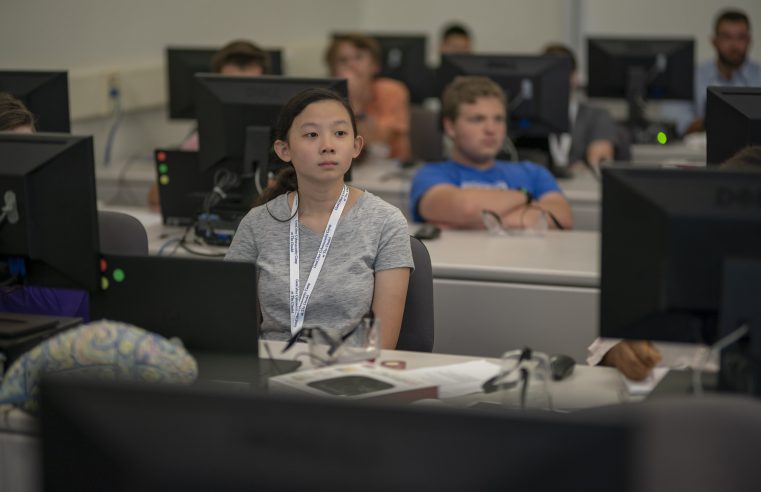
[[121, 234], [416, 333]]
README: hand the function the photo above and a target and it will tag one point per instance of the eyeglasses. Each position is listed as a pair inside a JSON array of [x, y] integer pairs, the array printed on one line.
[[358, 343], [493, 223], [517, 367]]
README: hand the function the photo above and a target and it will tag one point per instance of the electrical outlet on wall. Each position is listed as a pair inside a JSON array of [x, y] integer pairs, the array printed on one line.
[[93, 93]]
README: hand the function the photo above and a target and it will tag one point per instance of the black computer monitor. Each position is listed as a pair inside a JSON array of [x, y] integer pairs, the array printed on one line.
[[537, 88], [404, 59], [50, 232], [210, 306], [151, 438], [183, 63], [669, 240], [235, 118], [733, 121], [637, 69], [45, 94]]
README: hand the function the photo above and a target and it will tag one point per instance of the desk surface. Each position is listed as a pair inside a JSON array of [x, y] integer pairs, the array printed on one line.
[[568, 258], [586, 387]]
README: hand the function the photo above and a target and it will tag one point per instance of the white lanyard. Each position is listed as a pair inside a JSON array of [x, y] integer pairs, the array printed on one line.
[[560, 147], [298, 301]]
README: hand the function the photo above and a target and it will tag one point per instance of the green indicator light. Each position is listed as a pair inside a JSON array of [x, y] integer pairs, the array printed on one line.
[[163, 168], [119, 275], [662, 139]]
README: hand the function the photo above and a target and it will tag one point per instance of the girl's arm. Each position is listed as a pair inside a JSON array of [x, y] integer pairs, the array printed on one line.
[[388, 303]]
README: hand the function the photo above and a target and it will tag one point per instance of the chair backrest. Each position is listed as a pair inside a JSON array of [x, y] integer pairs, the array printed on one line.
[[425, 135], [417, 324], [121, 234], [622, 147]]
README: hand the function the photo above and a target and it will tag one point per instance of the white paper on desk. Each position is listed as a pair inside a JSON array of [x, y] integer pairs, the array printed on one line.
[[646, 386], [457, 379]]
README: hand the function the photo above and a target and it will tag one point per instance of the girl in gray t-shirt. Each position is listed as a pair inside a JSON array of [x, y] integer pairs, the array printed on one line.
[[368, 260]]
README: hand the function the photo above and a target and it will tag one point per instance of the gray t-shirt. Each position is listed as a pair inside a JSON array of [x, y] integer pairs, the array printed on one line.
[[371, 236]]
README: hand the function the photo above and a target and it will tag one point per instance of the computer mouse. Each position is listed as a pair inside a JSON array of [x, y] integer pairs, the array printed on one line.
[[427, 231], [561, 366]]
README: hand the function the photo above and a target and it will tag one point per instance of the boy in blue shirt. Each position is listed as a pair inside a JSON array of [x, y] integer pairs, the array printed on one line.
[[454, 193]]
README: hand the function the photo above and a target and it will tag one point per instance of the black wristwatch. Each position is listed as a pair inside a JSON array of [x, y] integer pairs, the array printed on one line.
[[529, 197]]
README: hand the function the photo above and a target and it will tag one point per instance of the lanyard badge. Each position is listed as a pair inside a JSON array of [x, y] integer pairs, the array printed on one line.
[[298, 298]]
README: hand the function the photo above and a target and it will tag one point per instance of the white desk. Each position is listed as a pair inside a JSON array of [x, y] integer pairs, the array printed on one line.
[[670, 154], [586, 387], [496, 293]]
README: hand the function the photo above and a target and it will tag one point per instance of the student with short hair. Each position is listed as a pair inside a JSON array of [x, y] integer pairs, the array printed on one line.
[[454, 193], [14, 115], [382, 105], [732, 67], [455, 39], [368, 260], [241, 57]]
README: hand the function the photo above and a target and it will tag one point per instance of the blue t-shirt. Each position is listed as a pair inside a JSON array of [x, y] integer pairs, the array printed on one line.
[[502, 175]]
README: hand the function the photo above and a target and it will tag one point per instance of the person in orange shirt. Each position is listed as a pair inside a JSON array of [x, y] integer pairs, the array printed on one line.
[[382, 105]]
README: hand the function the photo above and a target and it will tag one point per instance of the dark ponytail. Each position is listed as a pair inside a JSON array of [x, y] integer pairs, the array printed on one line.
[[286, 179]]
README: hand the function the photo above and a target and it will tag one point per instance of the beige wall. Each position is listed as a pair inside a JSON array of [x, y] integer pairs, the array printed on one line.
[[96, 38], [498, 26]]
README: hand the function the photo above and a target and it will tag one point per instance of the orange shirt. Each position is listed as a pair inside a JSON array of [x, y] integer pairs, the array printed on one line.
[[390, 110]]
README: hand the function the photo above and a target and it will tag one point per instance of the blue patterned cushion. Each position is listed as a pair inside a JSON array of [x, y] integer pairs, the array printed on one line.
[[102, 349]]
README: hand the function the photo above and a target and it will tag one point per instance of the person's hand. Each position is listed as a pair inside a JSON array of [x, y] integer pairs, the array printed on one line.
[[599, 151], [635, 359], [696, 126]]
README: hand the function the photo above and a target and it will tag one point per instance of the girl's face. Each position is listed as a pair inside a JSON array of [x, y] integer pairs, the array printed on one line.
[[321, 143]]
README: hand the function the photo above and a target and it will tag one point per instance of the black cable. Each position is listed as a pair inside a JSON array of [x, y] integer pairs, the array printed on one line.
[[552, 217], [224, 180], [267, 207], [524, 386], [272, 359], [555, 220], [201, 253]]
